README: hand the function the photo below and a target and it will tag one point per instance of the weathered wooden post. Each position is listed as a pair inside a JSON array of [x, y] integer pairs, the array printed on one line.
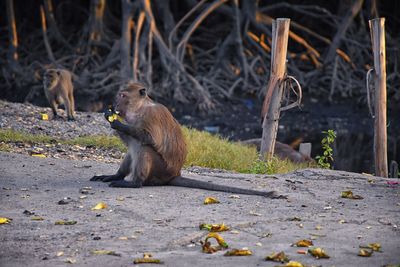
[[273, 97], [377, 28]]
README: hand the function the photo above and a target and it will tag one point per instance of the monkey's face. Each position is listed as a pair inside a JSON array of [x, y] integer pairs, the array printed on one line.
[[130, 98], [50, 78]]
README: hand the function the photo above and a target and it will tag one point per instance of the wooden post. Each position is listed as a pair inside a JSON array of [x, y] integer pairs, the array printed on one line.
[[272, 101], [13, 37], [377, 27]]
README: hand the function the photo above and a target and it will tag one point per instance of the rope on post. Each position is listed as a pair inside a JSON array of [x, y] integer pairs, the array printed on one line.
[[369, 93], [298, 93]]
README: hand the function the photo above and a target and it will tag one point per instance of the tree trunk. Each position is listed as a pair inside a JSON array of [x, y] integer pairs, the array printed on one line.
[[48, 8], [45, 38], [97, 8], [126, 40], [12, 54]]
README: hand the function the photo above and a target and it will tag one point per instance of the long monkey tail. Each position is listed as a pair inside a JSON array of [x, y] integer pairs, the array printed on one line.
[[192, 183]]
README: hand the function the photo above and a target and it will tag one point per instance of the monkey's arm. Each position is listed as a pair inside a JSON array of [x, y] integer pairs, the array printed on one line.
[[141, 135]]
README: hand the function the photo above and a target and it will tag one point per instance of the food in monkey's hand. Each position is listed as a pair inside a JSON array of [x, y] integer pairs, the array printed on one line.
[[111, 116]]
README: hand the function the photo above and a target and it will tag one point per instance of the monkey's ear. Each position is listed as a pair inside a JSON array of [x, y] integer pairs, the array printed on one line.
[[58, 72], [142, 92]]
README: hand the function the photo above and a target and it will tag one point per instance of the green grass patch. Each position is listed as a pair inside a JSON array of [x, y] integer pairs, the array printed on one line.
[[7, 135], [204, 149], [207, 150], [102, 141]]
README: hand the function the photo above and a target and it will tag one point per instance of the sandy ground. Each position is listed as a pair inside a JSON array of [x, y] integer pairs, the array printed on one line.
[[164, 220]]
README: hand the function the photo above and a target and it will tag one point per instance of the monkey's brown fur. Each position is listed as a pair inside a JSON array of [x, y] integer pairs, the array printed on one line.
[[58, 89], [156, 146]]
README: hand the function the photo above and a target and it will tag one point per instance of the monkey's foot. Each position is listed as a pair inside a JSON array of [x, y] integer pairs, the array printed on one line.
[[56, 117], [126, 184], [106, 178]]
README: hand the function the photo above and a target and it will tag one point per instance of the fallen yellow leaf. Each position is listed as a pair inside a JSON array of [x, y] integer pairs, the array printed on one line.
[[373, 246], [65, 222], [349, 194], [294, 264], [206, 245], [207, 248], [303, 243], [36, 218], [4, 220], [238, 252], [44, 117], [38, 155], [211, 200], [60, 253], [219, 239], [214, 227], [278, 257], [100, 206], [318, 253], [105, 252], [147, 258], [365, 253]]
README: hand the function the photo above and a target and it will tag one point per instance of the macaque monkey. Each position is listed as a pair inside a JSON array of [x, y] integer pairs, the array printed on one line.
[[59, 89], [156, 145]]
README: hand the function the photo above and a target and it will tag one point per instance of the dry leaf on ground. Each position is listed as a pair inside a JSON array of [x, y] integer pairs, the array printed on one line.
[[303, 243], [292, 264], [373, 246], [206, 245], [39, 155], [349, 194], [278, 257], [65, 222], [238, 252], [318, 253], [211, 200], [214, 227], [365, 253], [147, 258], [105, 252], [4, 220], [100, 206]]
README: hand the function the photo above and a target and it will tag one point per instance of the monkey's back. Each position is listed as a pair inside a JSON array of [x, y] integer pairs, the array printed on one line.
[[167, 135], [65, 81]]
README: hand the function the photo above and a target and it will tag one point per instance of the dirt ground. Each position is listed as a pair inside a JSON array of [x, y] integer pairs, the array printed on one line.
[[164, 220]]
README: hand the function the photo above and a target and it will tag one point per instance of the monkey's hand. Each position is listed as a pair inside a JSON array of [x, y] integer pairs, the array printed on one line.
[[111, 116], [141, 135]]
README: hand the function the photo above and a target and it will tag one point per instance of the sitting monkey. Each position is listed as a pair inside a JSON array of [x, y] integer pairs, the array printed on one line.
[[156, 145], [58, 89]]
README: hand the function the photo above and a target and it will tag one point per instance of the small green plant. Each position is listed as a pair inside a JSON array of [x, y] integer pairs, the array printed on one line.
[[324, 161], [260, 166]]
